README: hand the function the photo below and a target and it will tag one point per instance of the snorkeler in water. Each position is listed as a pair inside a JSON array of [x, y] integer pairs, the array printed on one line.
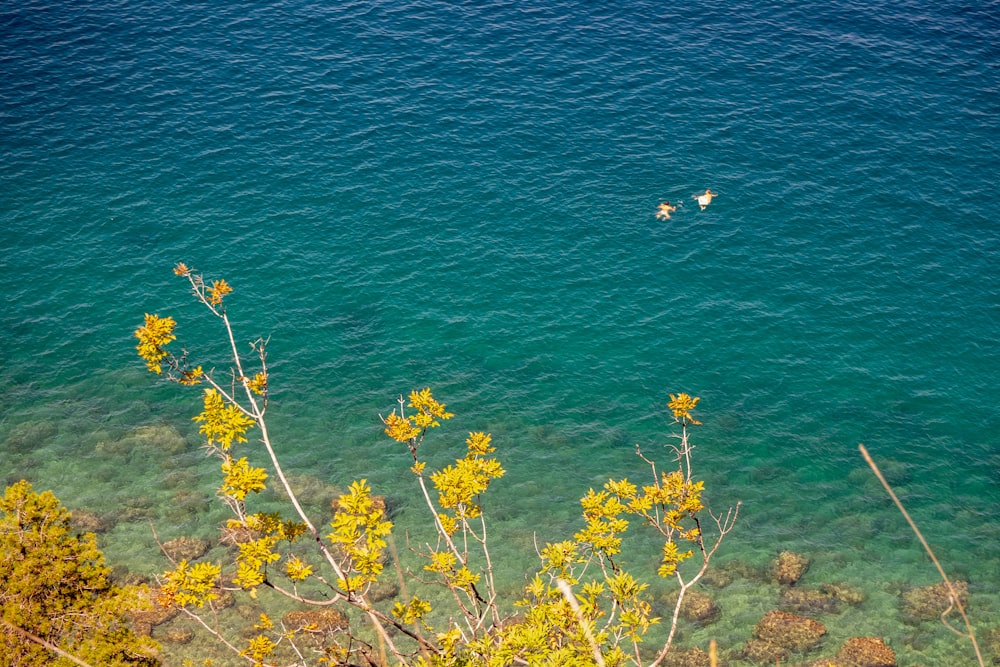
[[664, 210], [705, 199]]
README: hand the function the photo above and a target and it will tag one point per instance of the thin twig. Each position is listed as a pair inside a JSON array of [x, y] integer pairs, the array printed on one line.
[[951, 588], [46, 645], [215, 633]]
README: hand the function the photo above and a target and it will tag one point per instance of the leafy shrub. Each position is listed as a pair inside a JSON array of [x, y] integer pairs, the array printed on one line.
[[57, 603]]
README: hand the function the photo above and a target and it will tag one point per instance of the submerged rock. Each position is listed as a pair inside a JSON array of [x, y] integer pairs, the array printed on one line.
[[132, 509], [185, 548], [384, 589], [791, 631], [929, 602], [789, 567], [993, 643], [321, 620], [808, 600], [225, 598], [153, 437], [697, 607], [186, 505], [309, 489], [763, 652], [718, 578], [143, 622], [162, 437], [743, 570], [844, 593], [829, 598], [687, 657], [29, 436], [88, 522], [176, 636], [866, 652]]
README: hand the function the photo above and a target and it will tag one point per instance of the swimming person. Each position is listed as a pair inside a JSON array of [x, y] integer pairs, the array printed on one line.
[[664, 210], [705, 199]]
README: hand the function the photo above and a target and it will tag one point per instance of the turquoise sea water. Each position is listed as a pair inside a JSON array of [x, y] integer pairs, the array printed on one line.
[[462, 195]]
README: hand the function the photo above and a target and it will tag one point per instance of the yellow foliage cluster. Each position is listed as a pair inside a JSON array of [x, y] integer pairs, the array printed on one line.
[[412, 611], [428, 409], [190, 584], [272, 524], [360, 527], [552, 631], [222, 422], [558, 629], [400, 428], [258, 383], [240, 478], [559, 559], [671, 500], [460, 485], [259, 649], [153, 336], [601, 511], [297, 569], [447, 565], [404, 428], [663, 505], [682, 405], [211, 296], [251, 563], [217, 291], [264, 532], [190, 376]]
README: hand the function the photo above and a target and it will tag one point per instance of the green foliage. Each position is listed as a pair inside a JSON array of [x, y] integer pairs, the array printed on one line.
[[55, 589]]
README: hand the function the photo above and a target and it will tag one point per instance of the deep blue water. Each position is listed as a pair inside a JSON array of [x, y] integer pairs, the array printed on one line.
[[461, 195]]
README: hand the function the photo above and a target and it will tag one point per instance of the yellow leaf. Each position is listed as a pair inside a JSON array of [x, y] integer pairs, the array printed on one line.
[[681, 405], [222, 423], [156, 333]]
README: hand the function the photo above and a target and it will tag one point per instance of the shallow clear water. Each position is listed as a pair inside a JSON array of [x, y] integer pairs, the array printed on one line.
[[462, 196]]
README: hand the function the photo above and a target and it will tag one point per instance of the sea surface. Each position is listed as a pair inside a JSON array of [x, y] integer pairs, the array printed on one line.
[[461, 195]]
